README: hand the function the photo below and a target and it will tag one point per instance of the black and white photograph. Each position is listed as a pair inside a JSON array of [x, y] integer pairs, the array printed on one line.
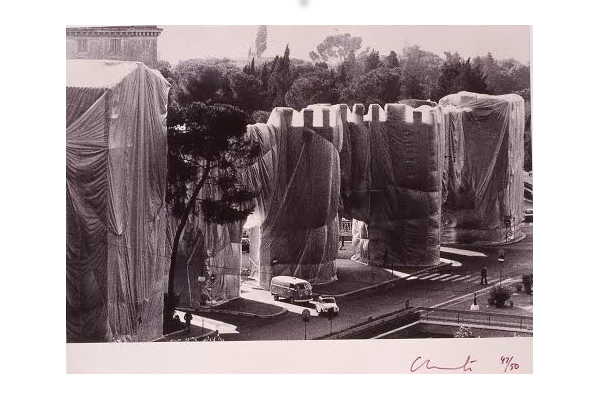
[[301, 198], [289, 183]]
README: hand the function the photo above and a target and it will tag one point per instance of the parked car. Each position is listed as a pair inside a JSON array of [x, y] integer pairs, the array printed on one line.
[[245, 245], [291, 288], [324, 303], [528, 215]]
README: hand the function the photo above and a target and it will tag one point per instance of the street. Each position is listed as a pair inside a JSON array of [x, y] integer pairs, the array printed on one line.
[[444, 289]]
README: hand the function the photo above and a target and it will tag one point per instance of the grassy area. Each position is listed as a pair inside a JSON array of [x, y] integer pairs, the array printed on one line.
[[522, 303], [249, 306]]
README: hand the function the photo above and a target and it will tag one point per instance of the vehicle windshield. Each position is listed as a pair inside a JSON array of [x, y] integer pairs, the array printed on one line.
[[330, 300], [300, 286]]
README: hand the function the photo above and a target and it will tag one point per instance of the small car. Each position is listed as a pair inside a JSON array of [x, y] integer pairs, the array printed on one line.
[[245, 245], [528, 215], [324, 303]]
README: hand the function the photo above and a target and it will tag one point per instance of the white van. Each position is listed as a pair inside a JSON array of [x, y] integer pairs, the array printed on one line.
[[292, 288]]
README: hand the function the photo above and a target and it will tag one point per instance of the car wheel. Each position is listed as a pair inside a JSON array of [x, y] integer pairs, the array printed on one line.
[[276, 297]]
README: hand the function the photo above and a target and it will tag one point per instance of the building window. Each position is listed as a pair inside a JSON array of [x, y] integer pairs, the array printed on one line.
[[82, 45], [114, 46]]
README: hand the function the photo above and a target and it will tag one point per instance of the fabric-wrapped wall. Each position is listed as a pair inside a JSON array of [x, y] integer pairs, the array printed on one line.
[[206, 249], [298, 175], [397, 167], [483, 180], [116, 149]]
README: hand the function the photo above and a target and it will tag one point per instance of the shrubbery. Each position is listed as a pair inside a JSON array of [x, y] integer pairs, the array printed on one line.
[[499, 295], [528, 283], [464, 332]]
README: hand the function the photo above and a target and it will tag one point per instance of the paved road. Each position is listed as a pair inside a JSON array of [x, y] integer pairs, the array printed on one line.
[[458, 284]]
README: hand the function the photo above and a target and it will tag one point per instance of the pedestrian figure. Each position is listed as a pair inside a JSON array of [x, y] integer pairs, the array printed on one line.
[[474, 306], [484, 280], [188, 322]]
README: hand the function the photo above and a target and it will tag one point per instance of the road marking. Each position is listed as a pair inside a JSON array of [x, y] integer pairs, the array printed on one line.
[[461, 278], [473, 279], [462, 252], [448, 278], [397, 273], [438, 277], [428, 276], [415, 276], [453, 262]]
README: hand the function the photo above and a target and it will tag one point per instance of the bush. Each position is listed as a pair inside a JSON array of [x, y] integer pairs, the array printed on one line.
[[464, 332], [528, 283], [519, 287], [500, 294], [213, 338]]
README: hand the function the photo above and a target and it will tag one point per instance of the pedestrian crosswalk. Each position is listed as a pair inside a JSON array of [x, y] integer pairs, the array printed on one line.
[[446, 277]]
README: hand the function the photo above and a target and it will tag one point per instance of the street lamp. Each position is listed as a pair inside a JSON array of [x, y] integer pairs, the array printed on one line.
[[305, 319], [330, 316]]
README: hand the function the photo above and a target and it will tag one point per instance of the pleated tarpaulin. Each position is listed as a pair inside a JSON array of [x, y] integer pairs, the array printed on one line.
[[483, 180], [298, 175], [394, 190], [207, 249], [116, 153]]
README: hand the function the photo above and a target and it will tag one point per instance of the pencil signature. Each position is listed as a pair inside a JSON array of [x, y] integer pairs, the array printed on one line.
[[419, 363]]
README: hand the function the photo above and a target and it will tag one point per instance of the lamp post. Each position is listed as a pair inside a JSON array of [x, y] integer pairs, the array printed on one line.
[[305, 319], [330, 316]]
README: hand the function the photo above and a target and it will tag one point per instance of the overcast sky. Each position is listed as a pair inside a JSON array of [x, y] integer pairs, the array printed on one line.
[[183, 42]]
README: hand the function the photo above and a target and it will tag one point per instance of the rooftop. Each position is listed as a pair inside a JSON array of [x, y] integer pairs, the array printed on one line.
[[131, 29]]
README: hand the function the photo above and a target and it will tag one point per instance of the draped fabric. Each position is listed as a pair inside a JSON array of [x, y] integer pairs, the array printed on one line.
[[483, 180], [206, 249], [116, 161], [298, 176], [397, 161]]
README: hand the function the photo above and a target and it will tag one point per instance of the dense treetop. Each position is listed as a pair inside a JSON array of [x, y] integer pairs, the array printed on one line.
[[340, 72]]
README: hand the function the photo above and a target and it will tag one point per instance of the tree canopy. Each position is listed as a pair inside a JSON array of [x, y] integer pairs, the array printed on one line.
[[261, 40], [336, 48], [207, 146]]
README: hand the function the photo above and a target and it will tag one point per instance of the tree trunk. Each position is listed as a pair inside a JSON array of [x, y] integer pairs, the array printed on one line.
[[182, 223]]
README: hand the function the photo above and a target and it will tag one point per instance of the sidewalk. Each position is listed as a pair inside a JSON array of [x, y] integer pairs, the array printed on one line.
[[241, 306], [196, 333], [355, 277], [522, 302]]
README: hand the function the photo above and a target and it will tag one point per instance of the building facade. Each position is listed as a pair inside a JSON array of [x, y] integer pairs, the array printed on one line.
[[125, 43]]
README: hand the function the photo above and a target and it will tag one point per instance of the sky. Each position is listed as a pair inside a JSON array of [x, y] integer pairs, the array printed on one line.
[[180, 42]]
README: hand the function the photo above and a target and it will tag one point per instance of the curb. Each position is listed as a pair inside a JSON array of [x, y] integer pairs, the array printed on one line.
[[232, 312], [369, 322], [166, 337], [518, 239], [441, 266]]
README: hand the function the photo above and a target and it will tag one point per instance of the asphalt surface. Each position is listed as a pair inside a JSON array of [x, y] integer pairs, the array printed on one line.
[[452, 287]]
